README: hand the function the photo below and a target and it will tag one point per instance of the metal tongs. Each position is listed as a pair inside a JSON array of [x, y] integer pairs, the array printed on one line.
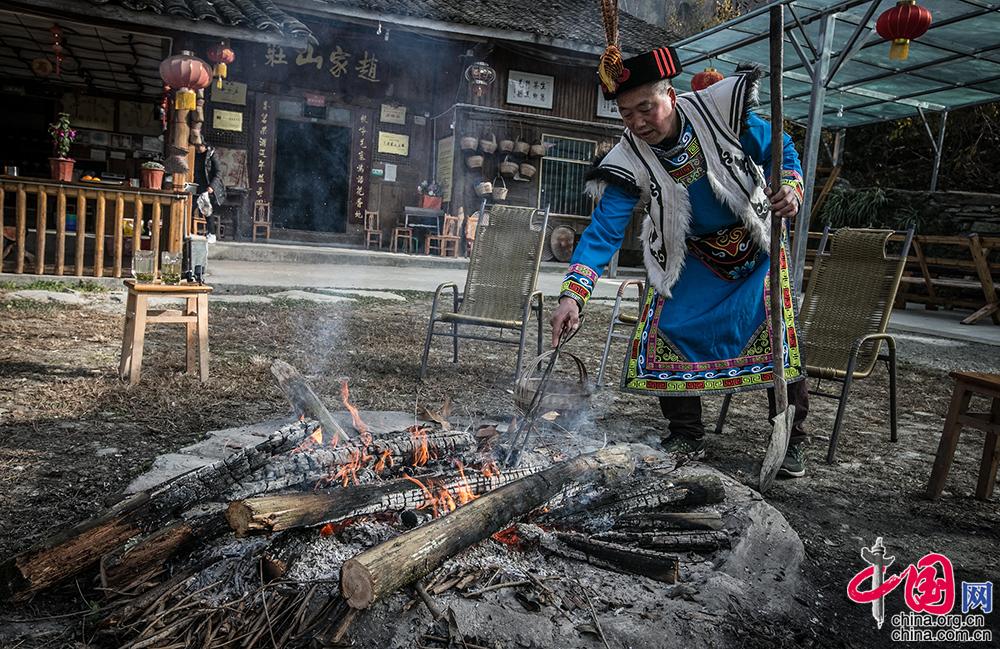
[[519, 437]]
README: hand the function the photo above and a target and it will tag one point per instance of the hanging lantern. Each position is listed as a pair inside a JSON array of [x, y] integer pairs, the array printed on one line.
[[480, 76], [57, 47], [221, 55], [187, 73], [705, 78], [901, 24]]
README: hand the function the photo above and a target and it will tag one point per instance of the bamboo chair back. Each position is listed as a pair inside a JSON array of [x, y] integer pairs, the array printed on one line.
[[850, 294], [503, 268]]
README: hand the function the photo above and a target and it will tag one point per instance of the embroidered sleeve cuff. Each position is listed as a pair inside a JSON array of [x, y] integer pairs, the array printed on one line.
[[793, 179], [579, 283]]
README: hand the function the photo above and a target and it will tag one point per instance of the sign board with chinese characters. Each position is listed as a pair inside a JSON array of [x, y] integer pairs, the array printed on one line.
[[445, 164], [393, 114], [393, 143], [340, 64], [227, 120], [231, 92], [262, 147], [527, 89], [606, 107], [361, 164]]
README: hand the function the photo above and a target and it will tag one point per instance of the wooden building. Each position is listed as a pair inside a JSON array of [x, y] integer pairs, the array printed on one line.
[[337, 107]]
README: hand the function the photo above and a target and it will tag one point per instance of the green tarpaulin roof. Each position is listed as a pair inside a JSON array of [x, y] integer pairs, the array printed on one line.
[[955, 64]]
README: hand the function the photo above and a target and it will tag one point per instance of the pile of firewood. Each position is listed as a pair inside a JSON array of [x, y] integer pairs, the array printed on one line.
[[286, 542]]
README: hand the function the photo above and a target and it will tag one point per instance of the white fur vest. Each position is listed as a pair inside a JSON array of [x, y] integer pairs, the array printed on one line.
[[717, 115]]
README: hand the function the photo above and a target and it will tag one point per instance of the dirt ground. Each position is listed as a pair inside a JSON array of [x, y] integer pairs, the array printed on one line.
[[72, 436]]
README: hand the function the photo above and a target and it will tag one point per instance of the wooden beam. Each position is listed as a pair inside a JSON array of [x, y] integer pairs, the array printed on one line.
[[147, 22]]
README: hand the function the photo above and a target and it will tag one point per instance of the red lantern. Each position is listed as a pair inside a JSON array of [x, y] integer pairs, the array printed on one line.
[[187, 73], [221, 55], [705, 78], [901, 24]]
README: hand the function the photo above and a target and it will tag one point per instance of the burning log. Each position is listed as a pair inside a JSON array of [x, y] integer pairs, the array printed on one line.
[[304, 400], [699, 541], [389, 566], [79, 548], [286, 511], [654, 521], [313, 461], [612, 556], [642, 494]]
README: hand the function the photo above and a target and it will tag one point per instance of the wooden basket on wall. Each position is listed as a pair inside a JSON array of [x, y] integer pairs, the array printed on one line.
[[474, 162], [468, 143]]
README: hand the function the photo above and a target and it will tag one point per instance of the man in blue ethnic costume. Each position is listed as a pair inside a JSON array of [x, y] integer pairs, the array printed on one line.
[[692, 167]]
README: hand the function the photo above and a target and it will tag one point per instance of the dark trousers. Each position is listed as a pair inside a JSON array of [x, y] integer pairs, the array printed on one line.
[[684, 413]]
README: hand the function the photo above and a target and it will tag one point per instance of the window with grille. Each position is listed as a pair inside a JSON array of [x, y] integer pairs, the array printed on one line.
[[562, 174]]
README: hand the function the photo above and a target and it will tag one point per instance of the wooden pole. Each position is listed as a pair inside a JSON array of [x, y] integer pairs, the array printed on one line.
[[383, 569], [22, 218], [60, 231], [81, 232], [41, 223], [119, 233], [304, 400], [99, 236]]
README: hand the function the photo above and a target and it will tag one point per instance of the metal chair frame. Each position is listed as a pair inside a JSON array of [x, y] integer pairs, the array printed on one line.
[[850, 372], [533, 304], [618, 319]]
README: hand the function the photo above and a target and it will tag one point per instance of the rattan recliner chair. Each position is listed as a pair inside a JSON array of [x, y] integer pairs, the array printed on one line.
[[845, 314], [500, 285]]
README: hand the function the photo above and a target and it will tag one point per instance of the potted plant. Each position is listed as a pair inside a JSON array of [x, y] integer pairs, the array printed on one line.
[[151, 175], [62, 137], [430, 194]]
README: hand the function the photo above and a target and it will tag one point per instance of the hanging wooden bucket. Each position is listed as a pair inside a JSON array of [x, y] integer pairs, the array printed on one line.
[[468, 143], [527, 170], [500, 191], [565, 395], [521, 147], [506, 146], [474, 161], [508, 168], [488, 144], [537, 150]]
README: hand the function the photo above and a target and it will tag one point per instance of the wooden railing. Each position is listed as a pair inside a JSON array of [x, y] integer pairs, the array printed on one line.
[[104, 224]]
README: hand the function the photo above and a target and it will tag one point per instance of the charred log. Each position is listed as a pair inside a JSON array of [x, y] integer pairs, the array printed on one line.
[[613, 556], [389, 566], [698, 541], [291, 510], [654, 521], [79, 548]]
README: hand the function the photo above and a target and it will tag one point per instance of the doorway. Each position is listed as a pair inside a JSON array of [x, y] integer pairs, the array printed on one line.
[[311, 176]]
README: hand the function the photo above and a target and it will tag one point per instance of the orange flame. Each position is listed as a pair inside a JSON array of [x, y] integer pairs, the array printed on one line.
[[428, 496], [508, 536], [384, 461], [421, 449], [314, 439], [464, 490], [490, 469], [359, 425], [326, 530], [348, 473]]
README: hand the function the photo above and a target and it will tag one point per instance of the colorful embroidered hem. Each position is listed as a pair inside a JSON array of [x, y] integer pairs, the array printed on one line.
[[579, 283], [653, 365]]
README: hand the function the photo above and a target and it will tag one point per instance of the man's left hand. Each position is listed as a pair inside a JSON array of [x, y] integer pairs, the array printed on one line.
[[785, 202]]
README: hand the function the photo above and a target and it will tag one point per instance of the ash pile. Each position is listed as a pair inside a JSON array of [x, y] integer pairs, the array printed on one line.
[[416, 533]]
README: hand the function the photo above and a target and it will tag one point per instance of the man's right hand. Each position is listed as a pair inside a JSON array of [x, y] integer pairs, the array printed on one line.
[[565, 319]]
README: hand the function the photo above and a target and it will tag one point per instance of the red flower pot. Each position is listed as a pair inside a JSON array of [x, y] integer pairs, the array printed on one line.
[[430, 202], [62, 169], [151, 178]]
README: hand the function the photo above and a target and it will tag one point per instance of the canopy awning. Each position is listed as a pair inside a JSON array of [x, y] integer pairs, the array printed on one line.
[[954, 65]]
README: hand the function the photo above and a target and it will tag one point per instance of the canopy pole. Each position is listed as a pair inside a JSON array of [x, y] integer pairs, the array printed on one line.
[[814, 131], [937, 151]]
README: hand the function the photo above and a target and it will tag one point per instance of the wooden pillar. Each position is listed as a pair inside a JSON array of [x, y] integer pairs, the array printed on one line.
[[22, 217], [99, 236], [119, 235], [81, 234], [154, 235], [60, 231], [137, 225], [41, 224]]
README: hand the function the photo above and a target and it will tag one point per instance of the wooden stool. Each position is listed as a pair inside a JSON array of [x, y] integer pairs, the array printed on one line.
[[967, 385], [137, 315]]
